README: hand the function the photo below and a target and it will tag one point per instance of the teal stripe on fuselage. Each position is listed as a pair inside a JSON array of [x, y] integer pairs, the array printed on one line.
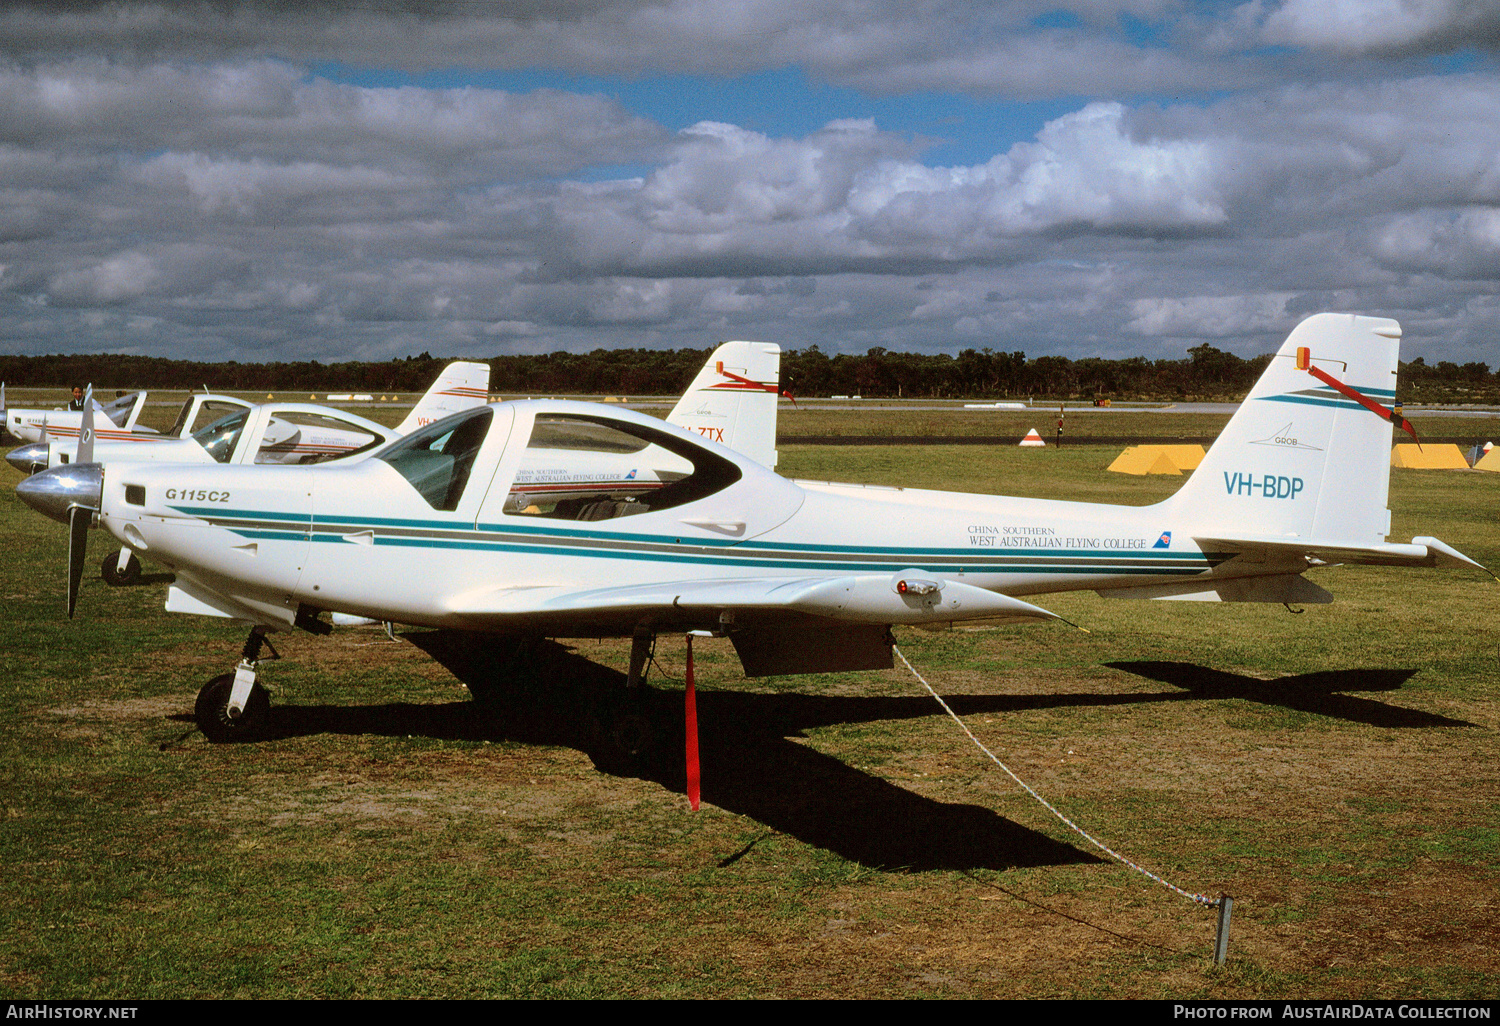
[[328, 525], [756, 555]]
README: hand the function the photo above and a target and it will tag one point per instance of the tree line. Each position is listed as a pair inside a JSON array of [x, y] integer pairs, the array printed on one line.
[[1206, 373]]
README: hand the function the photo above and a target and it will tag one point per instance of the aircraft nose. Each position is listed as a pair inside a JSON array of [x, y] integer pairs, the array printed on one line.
[[28, 458], [52, 492]]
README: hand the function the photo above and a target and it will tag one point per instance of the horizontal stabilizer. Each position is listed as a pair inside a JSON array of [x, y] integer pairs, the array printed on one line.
[[1422, 551]]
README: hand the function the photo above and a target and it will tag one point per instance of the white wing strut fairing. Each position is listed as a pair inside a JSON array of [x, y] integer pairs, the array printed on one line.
[[434, 529]]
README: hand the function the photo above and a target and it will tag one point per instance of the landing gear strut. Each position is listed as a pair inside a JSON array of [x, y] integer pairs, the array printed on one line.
[[234, 706], [624, 719]]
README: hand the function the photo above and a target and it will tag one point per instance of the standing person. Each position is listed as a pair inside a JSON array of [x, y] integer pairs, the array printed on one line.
[[77, 403]]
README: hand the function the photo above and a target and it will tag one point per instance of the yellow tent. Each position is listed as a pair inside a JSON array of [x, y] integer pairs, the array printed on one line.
[[1185, 457], [1158, 459], [1144, 459], [1428, 457], [1490, 460]]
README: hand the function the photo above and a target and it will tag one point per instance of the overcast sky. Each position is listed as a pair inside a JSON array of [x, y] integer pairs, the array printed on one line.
[[1086, 178]]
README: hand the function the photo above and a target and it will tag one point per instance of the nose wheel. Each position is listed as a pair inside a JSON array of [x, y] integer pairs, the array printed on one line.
[[234, 706], [213, 717], [121, 568]]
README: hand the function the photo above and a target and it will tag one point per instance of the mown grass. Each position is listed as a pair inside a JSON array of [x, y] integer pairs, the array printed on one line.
[[1333, 769]]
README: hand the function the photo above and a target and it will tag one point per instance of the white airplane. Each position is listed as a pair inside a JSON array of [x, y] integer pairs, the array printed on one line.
[[35, 425], [238, 432], [222, 429], [198, 410], [803, 577], [733, 398]]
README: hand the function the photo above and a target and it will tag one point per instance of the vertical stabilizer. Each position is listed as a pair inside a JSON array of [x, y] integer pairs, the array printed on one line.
[[1302, 458], [733, 399], [461, 386]]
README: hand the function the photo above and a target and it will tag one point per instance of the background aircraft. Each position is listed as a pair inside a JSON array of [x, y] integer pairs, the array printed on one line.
[[212, 428], [732, 401], [802, 576], [286, 433], [32, 425], [198, 410]]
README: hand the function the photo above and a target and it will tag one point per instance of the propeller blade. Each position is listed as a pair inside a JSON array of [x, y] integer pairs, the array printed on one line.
[[79, 518], [86, 429]]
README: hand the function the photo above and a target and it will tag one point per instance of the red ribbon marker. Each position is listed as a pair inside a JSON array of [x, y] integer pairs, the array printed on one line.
[[1304, 362], [691, 706]]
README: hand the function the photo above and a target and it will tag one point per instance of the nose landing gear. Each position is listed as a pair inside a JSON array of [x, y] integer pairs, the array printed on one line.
[[234, 706], [121, 569]]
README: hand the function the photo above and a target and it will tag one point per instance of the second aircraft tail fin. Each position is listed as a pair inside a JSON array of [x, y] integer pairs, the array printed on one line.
[[461, 386], [733, 399]]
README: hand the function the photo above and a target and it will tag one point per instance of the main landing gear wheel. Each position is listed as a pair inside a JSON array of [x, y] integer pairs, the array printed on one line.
[[112, 574], [630, 730], [212, 711]]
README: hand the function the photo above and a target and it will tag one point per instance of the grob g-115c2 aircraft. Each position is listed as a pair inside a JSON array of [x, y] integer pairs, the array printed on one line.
[[801, 576], [198, 410]]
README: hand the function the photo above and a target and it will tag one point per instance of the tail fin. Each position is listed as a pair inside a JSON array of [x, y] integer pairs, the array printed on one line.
[[461, 386], [1301, 458], [732, 401]]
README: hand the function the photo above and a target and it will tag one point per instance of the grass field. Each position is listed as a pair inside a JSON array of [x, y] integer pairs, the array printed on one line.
[[1334, 770]]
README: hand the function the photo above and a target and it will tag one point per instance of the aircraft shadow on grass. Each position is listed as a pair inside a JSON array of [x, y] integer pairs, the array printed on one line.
[[144, 579], [750, 765], [545, 694], [1320, 693]]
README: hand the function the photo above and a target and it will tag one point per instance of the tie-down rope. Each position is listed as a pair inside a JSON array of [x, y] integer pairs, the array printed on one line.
[[1199, 898]]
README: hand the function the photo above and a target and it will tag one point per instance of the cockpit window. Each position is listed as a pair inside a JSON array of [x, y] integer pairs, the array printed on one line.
[[585, 468], [118, 410], [219, 438], [437, 459], [208, 410], [301, 437]]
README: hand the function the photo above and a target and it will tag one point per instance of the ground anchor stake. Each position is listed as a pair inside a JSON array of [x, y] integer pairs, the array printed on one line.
[[1221, 944]]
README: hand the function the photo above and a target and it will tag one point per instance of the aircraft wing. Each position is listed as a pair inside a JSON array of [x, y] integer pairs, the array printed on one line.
[[1421, 551], [779, 625], [863, 598]]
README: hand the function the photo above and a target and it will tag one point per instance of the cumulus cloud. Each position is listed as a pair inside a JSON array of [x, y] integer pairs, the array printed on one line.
[[1211, 316], [175, 175], [1459, 244], [1357, 26], [1032, 48]]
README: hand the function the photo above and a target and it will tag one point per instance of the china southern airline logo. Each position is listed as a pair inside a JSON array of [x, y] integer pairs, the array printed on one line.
[[630, 476], [1164, 542]]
